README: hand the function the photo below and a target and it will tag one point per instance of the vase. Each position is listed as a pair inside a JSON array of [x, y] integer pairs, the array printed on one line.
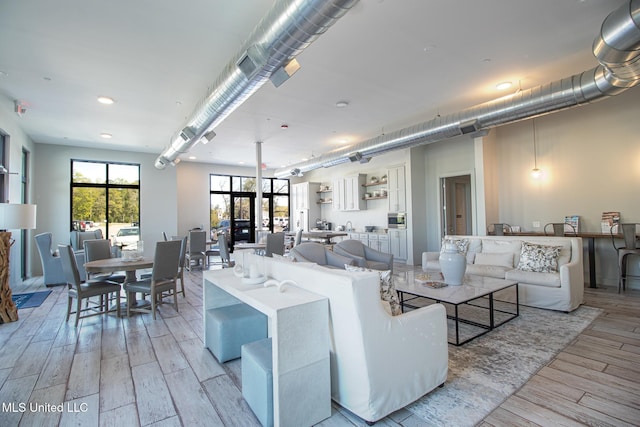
[[453, 264]]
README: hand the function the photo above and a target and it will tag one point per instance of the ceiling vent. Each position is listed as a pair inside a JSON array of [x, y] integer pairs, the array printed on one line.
[[469, 127], [252, 61]]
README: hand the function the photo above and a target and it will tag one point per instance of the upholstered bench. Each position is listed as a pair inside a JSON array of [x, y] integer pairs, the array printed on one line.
[[257, 379], [231, 327]]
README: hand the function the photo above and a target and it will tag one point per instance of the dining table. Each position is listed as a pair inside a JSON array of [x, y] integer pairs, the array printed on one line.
[[129, 266]]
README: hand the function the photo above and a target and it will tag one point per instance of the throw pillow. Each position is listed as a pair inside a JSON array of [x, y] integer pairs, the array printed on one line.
[[539, 258], [498, 259], [461, 244], [387, 288]]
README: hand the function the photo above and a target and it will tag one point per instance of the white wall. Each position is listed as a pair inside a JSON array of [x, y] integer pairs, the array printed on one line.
[[10, 125], [52, 163]]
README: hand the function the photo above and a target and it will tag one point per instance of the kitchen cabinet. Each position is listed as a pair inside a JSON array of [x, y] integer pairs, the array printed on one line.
[[303, 207], [396, 189], [398, 244], [302, 194], [348, 193]]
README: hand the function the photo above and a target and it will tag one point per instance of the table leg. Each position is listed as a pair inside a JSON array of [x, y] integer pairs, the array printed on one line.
[[592, 262]]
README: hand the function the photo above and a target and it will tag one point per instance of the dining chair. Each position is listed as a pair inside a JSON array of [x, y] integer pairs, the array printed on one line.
[[163, 280], [183, 256], [225, 256], [499, 229], [100, 249], [559, 229], [196, 248], [630, 236], [86, 290], [51, 264], [275, 244]]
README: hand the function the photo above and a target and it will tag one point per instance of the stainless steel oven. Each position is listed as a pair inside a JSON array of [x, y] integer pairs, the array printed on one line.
[[397, 220]]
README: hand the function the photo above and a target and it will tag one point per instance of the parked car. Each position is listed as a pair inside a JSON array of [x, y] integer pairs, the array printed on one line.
[[241, 229], [127, 236]]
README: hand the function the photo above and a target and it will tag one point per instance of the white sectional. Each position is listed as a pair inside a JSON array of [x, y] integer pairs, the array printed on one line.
[[499, 256]]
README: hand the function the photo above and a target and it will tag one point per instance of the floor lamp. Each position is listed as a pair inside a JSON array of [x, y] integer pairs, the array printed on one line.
[[12, 217]]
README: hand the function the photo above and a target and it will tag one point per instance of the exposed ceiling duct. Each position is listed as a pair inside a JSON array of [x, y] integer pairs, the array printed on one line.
[[617, 49], [269, 52]]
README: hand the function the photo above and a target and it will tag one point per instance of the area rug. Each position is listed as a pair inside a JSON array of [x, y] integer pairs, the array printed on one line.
[[486, 371], [30, 299]]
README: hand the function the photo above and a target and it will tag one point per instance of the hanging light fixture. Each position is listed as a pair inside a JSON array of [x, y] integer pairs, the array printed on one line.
[[535, 172]]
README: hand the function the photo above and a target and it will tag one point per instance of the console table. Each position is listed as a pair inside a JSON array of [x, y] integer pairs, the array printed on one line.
[[299, 329]]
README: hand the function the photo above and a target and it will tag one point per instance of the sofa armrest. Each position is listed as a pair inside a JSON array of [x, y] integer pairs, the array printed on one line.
[[429, 256], [375, 255], [409, 340], [572, 278], [337, 260]]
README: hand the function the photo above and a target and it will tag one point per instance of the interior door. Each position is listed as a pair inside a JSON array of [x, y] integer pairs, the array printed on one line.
[[456, 205]]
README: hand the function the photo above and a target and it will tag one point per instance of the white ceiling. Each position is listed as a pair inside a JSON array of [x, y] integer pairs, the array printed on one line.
[[397, 63]]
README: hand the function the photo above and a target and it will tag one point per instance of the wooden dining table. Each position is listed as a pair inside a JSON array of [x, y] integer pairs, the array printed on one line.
[[129, 266]]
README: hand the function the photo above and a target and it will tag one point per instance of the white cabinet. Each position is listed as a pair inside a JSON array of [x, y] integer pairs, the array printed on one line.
[[338, 194], [398, 244], [304, 209], [303, 195], [383, 243], [348, 193], [396, 189]]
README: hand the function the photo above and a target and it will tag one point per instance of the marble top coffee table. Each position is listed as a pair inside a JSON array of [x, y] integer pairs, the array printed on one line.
[[470, 303]]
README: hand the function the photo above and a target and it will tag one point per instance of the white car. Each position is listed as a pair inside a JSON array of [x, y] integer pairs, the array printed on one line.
[[127, 236]]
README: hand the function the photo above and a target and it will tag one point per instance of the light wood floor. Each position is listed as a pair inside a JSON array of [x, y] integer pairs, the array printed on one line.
[[138, 372]]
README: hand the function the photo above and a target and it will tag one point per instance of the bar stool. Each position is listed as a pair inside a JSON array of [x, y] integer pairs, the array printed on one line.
[[232, 326], [257, 379]]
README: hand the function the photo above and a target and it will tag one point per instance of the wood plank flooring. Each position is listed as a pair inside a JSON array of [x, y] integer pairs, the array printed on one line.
[[139, 372]]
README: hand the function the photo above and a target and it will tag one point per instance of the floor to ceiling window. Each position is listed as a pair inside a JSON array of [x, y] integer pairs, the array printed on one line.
[[106, 196], [233, 201]]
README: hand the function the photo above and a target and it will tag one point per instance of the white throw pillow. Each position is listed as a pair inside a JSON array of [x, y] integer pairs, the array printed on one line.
[[499, 259], [388, 292], [539, 258]]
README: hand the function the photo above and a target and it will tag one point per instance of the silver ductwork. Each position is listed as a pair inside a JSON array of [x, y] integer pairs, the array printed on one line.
[[617, 49], [269, 52]]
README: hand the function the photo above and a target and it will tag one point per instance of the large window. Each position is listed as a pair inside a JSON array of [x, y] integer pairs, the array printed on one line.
[[106, 196], [233, 201]]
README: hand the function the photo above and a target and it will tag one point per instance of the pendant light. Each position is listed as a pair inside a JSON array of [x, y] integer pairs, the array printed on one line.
[[535, 172]]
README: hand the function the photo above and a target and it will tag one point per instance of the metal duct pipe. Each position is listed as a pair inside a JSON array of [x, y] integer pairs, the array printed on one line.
[[617, 49], [287, 29]]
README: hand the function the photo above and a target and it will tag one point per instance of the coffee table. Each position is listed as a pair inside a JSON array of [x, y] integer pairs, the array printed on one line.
[[475, 296]]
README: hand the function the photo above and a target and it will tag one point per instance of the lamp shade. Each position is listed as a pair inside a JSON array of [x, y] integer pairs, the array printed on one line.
[[15, 216]]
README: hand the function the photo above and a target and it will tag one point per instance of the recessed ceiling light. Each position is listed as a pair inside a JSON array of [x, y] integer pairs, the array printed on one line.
[[284, 126], [192, 157], [105, 100], [504, 85], [342, 104], [106, 135], [241, 163]]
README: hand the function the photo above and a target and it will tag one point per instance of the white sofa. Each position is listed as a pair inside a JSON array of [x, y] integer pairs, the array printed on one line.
[[499, 256], [379, 363]]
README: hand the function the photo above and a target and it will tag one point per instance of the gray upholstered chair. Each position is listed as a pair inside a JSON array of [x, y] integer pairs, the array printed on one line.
[[51, 264], [97, 249], [86, 290], [197, 247], [364, 256], [630, 236], [163, 280], [275, 244], [319, 254]]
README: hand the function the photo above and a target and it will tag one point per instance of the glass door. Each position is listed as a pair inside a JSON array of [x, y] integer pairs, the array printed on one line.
[[243, 221]]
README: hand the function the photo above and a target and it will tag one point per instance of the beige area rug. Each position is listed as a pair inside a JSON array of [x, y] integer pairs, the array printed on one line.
[[487, 370]]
